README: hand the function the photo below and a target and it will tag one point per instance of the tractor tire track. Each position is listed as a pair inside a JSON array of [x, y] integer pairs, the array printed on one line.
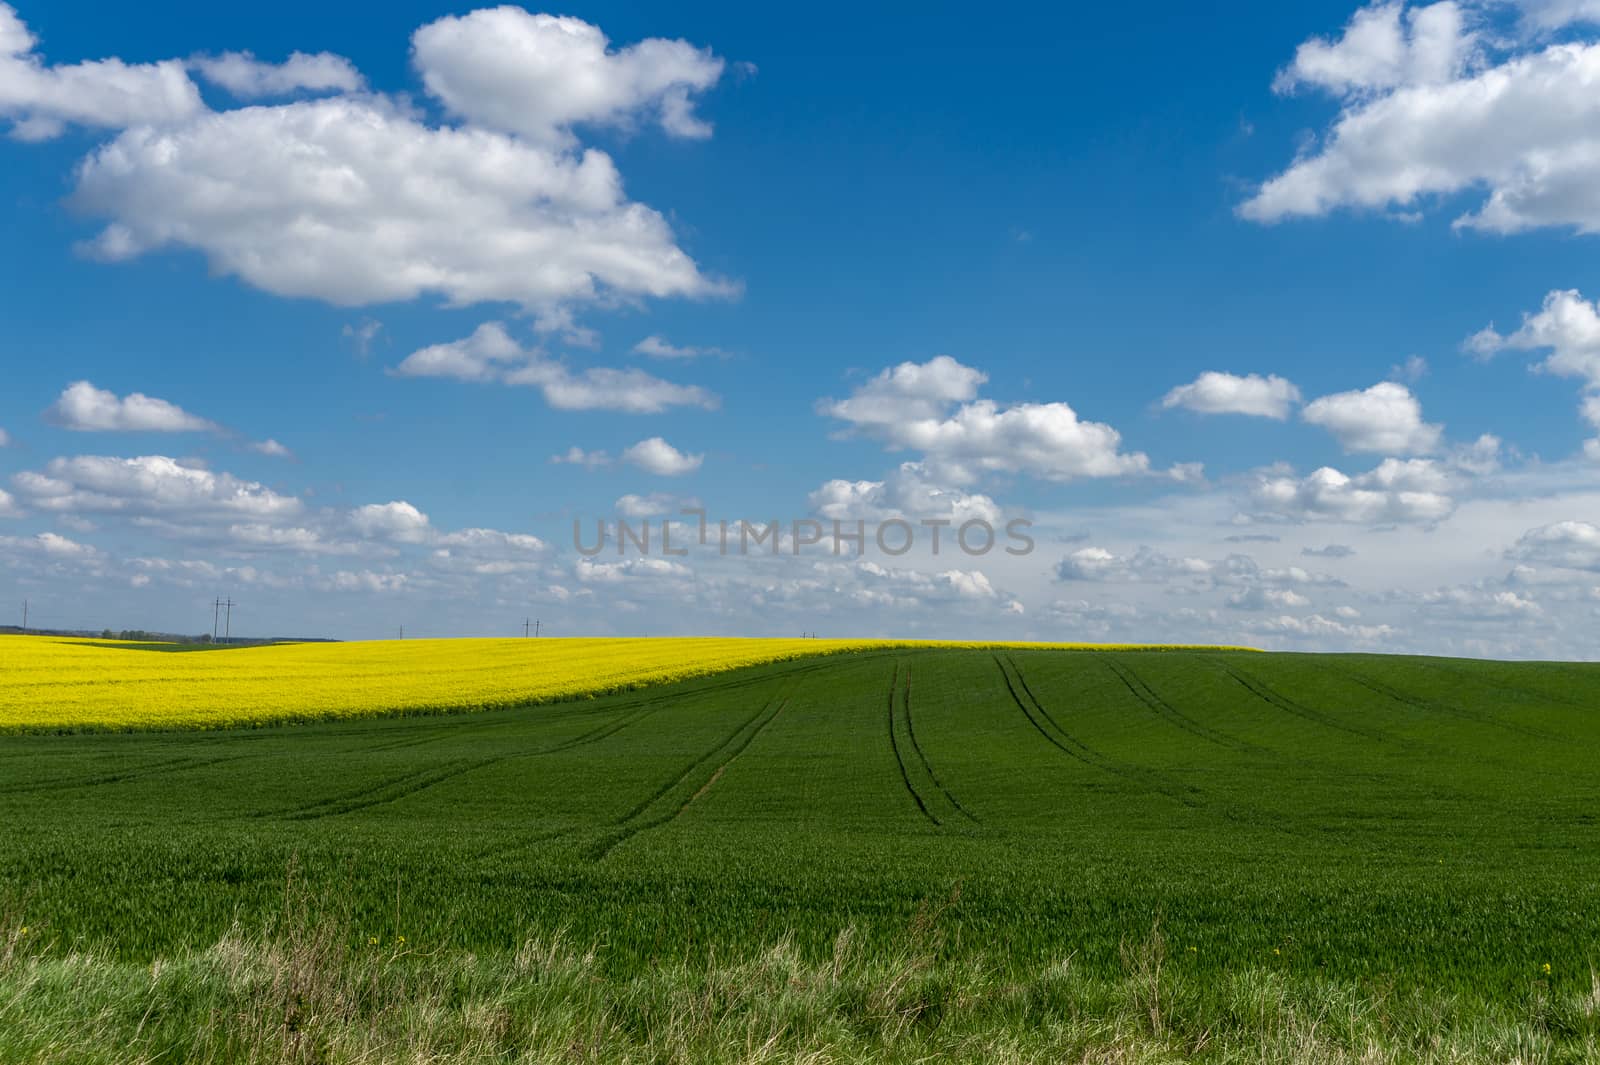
[[894, 745], [157, 769], [664, 789], [1430, 706], [634, 822], [1534, 695], [353, 800], [1082, 752], [1167, 712], [916, 745], [1282, 702], [1149, 779], [649, 697], [411, 785]]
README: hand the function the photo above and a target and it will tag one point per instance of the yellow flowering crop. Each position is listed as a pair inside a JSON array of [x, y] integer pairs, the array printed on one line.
[[60, 683]]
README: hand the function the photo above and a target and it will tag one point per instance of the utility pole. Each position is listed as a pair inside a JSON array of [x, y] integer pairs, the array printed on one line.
[[227, 632], [525, 623], [536, 626], [216, 614], [402, 632], [24, 617]]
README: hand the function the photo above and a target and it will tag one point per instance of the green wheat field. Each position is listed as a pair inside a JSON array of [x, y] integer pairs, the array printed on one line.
[[902, 856]]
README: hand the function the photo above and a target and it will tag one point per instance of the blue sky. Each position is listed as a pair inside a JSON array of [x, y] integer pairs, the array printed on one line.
[[1082, 212]]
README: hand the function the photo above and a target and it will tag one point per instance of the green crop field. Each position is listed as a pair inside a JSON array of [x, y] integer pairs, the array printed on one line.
[[906, 856]]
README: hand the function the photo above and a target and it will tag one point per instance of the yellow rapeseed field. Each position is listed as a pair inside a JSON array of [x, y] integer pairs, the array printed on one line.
[[51, 683]]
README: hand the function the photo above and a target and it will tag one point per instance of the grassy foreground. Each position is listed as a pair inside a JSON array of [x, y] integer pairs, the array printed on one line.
[[304, 994], [900, 854]]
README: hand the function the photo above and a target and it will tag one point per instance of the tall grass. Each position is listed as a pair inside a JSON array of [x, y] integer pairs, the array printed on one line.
[[312, 992]]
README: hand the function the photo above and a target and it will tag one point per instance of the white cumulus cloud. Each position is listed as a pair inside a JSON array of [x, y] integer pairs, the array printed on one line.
[[1385, 418], [352, 200], [657, 456], [248, 78], [1433, 104], [933, 408], [1415, 491], [538, 75], [1568, 544], [150, 485], [42, 100], [491, 355], [1224, 393], [84, 408]]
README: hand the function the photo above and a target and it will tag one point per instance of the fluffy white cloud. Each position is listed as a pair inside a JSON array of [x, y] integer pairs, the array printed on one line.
[[538, 75], [647, 569], [907, 392], [352, 200], [84, 408], [1258, 598], [369, 581], [5, 438], [657, 456], [488, 553], [1316, 627], [908, 492], [1385, 46], [1431, 107], [1477, 603], [398, 521], [149, 485], [1568, 544], [261, 536], [1385, 418], [49, 545], [1225, 393], [932, 408], [248, 78], [42, 99], [490, 354], [1099, 564], [657, 347], [1397, 491], [1567, 326], [8, 505]]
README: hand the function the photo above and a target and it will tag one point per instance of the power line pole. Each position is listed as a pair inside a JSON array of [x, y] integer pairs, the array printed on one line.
[[216, 614], [536, 626], [24, 617], [525, 623], [227, 633]]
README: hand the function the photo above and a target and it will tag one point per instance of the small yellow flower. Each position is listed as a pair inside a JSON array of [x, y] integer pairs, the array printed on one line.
[[25, 932], [402, 939], [1275, 950], [372, 941], [1194, 950], [1546, 968]]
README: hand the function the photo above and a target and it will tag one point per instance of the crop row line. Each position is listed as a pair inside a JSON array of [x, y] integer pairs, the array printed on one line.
[[634, 821], [1289, 706], [1165, 710]]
